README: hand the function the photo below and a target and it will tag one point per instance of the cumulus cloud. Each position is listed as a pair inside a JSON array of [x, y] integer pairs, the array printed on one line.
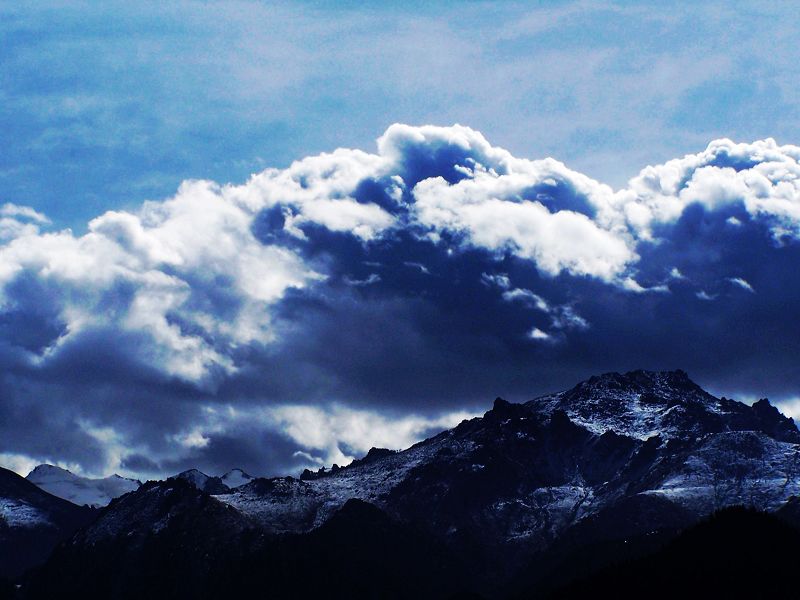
[[185, 277], [761, 176], [356, 299]]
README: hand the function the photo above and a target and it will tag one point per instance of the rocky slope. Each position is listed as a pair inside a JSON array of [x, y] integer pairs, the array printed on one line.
[[523, 474], [32, 522], [618, 457]]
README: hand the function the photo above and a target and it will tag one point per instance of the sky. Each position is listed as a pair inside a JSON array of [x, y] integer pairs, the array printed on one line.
[[274, 235]]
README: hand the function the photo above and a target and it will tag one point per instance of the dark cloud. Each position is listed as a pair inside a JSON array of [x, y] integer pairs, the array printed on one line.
[[354, 300]]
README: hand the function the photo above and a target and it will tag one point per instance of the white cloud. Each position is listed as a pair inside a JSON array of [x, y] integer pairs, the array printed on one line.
[[331, 433], [789, 407], [490, 211], [764, 178], [676, 274], [25, 212], [190, 281], [319, 190], [538, 334], [192, 439], [527, 297], [161, 273], [329, 430], [738, 281], [500, 280], [419, 266], [373, 278], [21, 464], [561, 316]]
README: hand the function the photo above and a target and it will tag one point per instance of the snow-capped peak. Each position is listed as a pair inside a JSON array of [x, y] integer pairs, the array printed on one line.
[[194, 476], [206, 483], [81, 490], [236, 478], [642, 404]]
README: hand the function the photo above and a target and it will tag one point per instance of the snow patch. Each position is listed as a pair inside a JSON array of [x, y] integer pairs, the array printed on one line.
[[17, 513]]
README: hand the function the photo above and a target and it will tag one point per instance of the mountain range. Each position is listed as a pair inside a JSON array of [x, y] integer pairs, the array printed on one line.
[[518, 502], [81, 490]]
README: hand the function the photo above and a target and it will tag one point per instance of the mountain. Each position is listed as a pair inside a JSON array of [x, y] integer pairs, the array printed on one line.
[[32, 522], [203, 482], [81, 490], [160, 541], [236, 478], [527, 497], [171, 540], [522, 475]]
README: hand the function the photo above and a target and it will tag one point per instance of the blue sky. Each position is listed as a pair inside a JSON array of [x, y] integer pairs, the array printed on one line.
[[220, 246], [106, 104]]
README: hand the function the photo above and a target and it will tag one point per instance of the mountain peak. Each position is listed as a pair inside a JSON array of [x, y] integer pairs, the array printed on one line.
[[655, 387], [80, 490], [640, 378], [641, 404], [206, 483], [236, 478], [46, 468]]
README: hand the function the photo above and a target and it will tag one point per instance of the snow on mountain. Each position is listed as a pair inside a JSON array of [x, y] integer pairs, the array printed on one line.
[[18, 513], [203, 482], [32, 522], [641, 404], [631, 452], [81, 490], [525, 473], [236, 478]]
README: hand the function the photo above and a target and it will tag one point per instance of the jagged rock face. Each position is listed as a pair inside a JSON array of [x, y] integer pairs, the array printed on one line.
[[159, 507], [523, 474], [641, 404]]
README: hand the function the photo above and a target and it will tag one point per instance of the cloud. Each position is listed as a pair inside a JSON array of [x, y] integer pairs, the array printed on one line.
[[338, 435], [533, 209], [761, 177], [538, 334], [185, 277], [355, 299], [742, 284], [22, 212]]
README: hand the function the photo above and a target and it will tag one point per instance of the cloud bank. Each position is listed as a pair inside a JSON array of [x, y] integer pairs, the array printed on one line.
[[356, 299]]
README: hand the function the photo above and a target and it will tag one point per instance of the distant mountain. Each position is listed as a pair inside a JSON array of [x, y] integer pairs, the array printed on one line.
[[32, 522], [81, 490], [527, 497], [203, 482], [236, 478]]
